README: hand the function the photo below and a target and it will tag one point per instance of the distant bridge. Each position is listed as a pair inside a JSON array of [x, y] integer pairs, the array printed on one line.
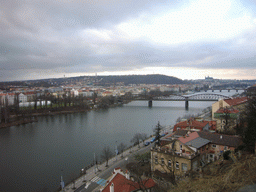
[[228, 89], [187, 98]]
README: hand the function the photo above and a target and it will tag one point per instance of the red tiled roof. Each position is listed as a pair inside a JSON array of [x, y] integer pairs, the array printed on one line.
[[221, 110], [121, 184], [188, 138], [179, 132], [193, 124], [29, 93], [236, 101]]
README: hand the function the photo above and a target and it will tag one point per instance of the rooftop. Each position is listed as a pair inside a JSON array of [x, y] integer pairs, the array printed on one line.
[[236, 101]]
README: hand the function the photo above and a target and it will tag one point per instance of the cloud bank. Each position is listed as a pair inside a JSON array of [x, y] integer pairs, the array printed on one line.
[[186, 39]]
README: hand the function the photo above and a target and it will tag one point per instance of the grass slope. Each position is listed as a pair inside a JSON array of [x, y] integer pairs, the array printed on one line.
[[229, 177]]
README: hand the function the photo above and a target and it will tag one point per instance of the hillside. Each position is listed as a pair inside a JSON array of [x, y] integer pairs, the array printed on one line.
[[97, 80], [139, 79], [228, 176]]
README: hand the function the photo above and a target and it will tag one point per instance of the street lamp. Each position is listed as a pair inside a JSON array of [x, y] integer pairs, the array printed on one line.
[[62, 184], [116, 151], [95, 168], [83, 172]]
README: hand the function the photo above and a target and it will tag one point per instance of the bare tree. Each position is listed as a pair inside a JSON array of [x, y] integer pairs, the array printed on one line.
[[141, 171], [143, 136], [121, 147], [106, 154], [136, 139]]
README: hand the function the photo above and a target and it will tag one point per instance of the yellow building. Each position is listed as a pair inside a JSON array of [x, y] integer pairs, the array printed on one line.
[[237, 103], [175, 157]]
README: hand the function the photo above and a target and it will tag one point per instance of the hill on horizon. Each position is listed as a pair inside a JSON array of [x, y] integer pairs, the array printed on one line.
[[139, 79], [98, 80]]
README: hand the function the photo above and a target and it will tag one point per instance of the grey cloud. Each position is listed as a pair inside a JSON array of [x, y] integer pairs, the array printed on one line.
[[40, 37]]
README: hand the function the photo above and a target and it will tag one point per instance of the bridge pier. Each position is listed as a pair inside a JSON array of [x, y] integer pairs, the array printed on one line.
[[212, 90], [186, 103], [220, 90], [236, 90], [228, 90], [150, 103]]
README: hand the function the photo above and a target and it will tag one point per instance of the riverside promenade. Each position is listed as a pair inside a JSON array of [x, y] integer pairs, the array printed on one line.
[[83, 182]]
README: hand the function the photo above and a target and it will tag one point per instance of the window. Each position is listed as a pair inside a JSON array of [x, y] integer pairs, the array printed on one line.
[[177, 165], [169, 163], [162, 161], [184, 167], [156, 160], [225, 148], [181, 147], [213, 146]]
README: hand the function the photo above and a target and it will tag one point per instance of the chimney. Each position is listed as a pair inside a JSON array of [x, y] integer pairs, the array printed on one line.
[[112, 187], [127, 175]]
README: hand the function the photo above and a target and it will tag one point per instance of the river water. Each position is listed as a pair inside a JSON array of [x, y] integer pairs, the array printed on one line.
[[33, 156]]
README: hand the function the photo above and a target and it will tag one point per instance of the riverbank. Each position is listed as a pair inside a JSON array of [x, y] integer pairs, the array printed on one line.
[[48, 112], [17, 123]]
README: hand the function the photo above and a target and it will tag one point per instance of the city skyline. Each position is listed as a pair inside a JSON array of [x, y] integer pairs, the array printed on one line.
[[184, 39]]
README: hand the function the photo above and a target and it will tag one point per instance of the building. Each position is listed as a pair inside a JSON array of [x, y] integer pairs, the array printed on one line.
[[196, 125], [237, 103], [121, 182], [190, 151], [227, 118], [7, 98], [175, 158]]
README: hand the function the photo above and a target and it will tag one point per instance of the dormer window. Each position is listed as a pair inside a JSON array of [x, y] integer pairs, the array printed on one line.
[[156, 160], [169, 163], [177, 165], [162, 161]]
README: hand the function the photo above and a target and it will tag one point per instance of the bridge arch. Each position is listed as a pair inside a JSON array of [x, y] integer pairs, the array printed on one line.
[[204, 96], [193, 97]]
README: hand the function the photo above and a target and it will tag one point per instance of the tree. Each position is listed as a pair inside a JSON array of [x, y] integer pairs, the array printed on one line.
[[249, 137], [121, 147], [157, 132], [143, 136], [143, 158], [106, 154], [141, 171], [136, 139], [226, 117]]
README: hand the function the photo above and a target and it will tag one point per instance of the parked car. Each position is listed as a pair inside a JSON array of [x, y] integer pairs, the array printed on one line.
[[146, 143], [153, 139]]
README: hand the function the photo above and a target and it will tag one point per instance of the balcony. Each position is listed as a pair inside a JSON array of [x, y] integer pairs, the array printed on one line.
[[174, 153]]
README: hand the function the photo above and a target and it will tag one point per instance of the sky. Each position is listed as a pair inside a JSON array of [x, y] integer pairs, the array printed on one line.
[[187, 39]]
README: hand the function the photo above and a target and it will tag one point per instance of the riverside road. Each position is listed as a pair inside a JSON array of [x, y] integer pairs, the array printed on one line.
[[92, 182]]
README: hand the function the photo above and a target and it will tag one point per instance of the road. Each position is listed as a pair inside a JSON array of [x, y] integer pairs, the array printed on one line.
[[92, 181]]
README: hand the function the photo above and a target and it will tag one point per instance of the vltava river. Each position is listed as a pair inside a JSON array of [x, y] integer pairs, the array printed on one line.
[[33, 156]]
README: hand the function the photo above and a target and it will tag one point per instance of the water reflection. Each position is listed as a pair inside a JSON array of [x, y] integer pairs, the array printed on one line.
[[41, 150]]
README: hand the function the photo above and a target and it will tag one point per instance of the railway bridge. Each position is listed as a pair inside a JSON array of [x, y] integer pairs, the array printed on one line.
[[187, 98]]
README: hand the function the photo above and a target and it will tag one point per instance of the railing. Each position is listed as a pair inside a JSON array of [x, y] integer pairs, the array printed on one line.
[[174, 153]]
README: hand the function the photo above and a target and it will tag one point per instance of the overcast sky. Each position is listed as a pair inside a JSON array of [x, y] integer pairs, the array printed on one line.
[[186, 39]]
